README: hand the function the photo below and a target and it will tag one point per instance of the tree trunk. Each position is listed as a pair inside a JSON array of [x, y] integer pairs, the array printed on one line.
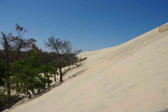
[[8, 93], [8, 88], [7, 71], [48, 78], [61, 74], [55, 79], [60, 67], [7, 64], [28, 94], [7, 78], [17, 58], [17, 84]]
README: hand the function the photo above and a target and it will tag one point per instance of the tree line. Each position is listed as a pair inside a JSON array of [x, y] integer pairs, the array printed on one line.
[[26, 70]]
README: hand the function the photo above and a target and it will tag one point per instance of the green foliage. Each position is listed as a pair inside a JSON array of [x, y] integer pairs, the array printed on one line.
[[48, 71], [28, 73], [25, 74]]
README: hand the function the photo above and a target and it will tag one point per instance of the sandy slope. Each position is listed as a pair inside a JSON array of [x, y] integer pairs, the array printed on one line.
[[132, 77]]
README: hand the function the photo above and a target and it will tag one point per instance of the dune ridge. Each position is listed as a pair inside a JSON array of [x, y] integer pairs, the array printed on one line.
[[131, 77]]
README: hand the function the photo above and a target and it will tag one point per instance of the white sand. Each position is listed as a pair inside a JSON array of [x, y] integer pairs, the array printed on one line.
[[132, 77]]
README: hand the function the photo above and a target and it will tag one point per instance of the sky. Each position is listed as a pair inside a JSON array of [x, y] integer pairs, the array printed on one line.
[[88, 24]]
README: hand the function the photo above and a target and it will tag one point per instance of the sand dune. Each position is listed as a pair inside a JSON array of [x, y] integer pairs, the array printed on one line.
[[132, 77]]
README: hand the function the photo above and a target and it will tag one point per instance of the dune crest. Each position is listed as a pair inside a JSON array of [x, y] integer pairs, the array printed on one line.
[[132, 77]]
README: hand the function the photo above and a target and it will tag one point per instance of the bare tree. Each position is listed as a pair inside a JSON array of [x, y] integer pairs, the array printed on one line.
[[20, 43], [61, 48], [57, 46]]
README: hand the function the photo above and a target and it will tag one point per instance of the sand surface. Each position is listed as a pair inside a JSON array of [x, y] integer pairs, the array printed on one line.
[[132, 77]]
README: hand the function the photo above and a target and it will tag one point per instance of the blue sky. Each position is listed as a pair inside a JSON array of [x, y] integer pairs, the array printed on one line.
[[88, 24]]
